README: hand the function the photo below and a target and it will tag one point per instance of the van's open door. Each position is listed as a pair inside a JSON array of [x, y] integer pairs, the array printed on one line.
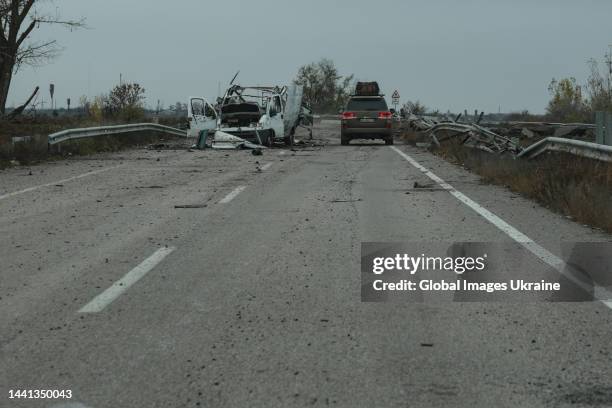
[[201, 115]]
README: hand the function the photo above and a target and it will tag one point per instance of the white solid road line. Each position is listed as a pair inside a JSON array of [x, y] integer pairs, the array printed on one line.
[[232, 195], [267, 166], [109, 295], [26, 190], [539, 251]]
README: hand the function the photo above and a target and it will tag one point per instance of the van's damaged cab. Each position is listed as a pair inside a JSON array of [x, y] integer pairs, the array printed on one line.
[[257, 114], [253, 113], [201, 116]]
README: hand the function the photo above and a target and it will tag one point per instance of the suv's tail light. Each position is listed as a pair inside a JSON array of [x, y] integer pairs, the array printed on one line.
[[348, 115], [385, 115]]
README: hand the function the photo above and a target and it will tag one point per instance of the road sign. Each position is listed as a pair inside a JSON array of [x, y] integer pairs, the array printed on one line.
[[395, 97]]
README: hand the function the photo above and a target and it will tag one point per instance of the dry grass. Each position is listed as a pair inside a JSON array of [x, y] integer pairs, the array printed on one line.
[[410, 136], [573, 186], [36, 149]]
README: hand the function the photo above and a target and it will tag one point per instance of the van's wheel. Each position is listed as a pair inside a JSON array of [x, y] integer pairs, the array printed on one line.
[[291, 138], [389, 141], [269, 142], [344, 141]]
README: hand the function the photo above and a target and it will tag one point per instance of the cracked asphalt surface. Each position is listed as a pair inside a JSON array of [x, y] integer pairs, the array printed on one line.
[[259, 305]]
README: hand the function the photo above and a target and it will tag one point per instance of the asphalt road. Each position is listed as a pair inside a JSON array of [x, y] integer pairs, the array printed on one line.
[[250, 296]]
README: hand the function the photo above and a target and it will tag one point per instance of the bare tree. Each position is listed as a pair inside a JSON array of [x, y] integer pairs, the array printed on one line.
[[127, 101], [126, 96], [416, 108], [567, 103], [18, 20], [324, 88], [599, 88]]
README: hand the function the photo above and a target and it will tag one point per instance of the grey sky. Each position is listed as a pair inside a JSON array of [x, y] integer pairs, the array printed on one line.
[[449, 54]]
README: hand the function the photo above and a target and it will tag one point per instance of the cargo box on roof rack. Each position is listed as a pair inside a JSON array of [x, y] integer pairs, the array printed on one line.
[[367, 89]]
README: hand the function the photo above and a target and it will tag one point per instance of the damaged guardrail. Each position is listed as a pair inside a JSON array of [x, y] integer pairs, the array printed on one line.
[[576, 147], [72, 134], [476, 136], [472, 135]]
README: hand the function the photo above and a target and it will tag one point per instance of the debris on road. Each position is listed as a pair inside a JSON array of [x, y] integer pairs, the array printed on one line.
[[419, 185], [223, 141], [347, 201], [503, 137], [471, 135]]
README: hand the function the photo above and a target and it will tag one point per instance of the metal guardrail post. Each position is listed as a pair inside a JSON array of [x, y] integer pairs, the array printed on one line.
[[600, 131], [603, 131], [608, 131]]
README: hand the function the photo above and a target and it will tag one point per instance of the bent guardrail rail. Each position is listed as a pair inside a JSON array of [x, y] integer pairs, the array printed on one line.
[[576, 147], [72, 134]]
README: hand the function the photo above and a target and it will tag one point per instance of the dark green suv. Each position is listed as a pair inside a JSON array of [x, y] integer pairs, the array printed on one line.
[[366, 116]]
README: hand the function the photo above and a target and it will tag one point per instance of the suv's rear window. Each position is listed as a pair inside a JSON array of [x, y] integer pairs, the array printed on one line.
[[367, 104]]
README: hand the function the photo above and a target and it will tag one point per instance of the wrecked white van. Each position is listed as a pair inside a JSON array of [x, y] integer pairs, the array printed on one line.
[[258, 114]]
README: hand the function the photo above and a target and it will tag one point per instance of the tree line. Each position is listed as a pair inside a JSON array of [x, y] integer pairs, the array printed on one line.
[[570, 103]]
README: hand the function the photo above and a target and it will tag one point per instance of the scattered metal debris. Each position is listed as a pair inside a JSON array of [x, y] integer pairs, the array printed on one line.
[[472, 135], [21, 139], [223, 141], [419, 185], [191, 206], [479, 137], [347, 201]]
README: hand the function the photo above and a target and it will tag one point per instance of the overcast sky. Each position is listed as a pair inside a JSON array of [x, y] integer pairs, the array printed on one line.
[[448, 54]]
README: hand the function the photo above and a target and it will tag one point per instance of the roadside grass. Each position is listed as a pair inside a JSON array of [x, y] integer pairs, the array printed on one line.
[[410, 136], [35, 149], [576, 187]]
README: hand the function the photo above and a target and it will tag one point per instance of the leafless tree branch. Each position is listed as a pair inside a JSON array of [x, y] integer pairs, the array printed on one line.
[[15, 50]]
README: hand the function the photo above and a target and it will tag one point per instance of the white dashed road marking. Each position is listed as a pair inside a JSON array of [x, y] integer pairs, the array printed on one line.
[[232, 195], [27, 190], [109, 295]]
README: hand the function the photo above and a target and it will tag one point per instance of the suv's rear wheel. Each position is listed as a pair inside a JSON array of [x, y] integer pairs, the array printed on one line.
[[389, 140], [344, 140]]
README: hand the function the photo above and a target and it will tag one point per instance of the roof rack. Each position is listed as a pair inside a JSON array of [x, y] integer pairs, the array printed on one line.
[[367, 89]]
